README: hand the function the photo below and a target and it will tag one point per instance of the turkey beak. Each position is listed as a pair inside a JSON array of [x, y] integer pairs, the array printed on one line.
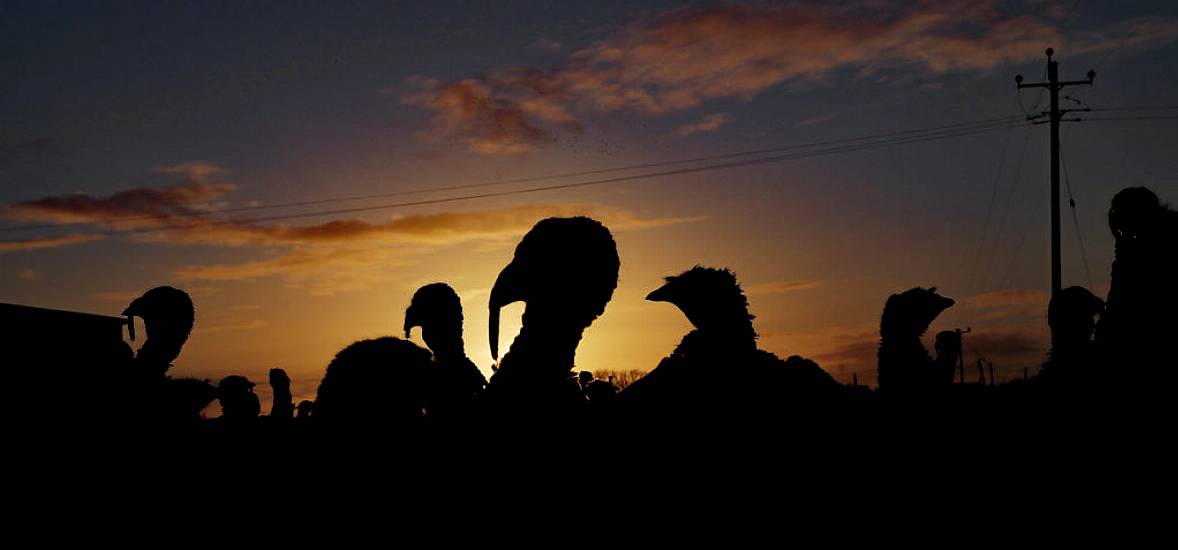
[[133, 309], [411, 320], [130, 313], [660, 294], [508, 289]]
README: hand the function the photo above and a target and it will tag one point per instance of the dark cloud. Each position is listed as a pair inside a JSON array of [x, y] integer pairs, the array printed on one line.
[[329, 257], [139, 207]]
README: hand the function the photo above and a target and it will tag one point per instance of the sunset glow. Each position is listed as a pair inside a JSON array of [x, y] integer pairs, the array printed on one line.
[[151, 145]]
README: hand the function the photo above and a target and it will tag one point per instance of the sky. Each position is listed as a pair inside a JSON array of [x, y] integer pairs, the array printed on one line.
[[144, 144]]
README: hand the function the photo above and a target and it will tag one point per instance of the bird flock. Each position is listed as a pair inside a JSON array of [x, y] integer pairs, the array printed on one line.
[[1106, 354]]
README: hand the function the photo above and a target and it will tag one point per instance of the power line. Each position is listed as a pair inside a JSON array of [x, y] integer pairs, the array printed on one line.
[[1152, 108], [977, 261], [1075, 219], [563, 175], [1099, 119], [1038, 99], [1014, 181], [1003, 282], [734, 164], [1054, 85], [494, 183]]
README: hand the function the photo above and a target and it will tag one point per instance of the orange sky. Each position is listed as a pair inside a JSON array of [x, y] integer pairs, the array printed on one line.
[[142, 146]]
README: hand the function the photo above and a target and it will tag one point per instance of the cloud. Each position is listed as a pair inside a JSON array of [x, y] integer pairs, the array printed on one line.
[[325, 259], [817, 119], [180, 213], [126, 296], [321, 258], [777, 287], [233, 327], [709, 123], [193, 170], [1010, 345], [846, 353], [45, 242], [321, 271], [132, 208], [29, 274], [1000, 304], [421, 229], [1010, 297], [1125, 37], [1010, 348], [684, 58], [547, 45], [504, 114], [117, 296], [843, 351]]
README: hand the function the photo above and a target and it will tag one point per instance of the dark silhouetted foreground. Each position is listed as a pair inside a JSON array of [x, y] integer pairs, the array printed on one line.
[[73, 373]]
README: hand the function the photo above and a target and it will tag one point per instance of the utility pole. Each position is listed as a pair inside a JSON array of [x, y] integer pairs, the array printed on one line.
[[1053, 86], [961, 357]]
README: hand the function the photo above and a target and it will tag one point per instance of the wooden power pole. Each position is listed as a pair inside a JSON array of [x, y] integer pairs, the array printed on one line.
[[1053, 86]]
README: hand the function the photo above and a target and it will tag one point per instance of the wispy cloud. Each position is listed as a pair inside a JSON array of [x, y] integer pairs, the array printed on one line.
[[322, 271], [1127, 37], [357, 255], [547, 45], [777, 287], [29, 274], [323, 258], [1008, 347], [1010, 297], [129, 295], [709, 123], [419, 229], [847, 351], [1008, 303], [843, 351], [684, 58], [505, 113], [138, 207], [816, 119], [196, 170], [117, 296], [234, 327], [180, 213], [45, 242]]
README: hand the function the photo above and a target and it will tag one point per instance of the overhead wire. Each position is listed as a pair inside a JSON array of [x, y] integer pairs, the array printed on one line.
[[998, 124], [532, 179], [1075, 218], [993, 198]]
